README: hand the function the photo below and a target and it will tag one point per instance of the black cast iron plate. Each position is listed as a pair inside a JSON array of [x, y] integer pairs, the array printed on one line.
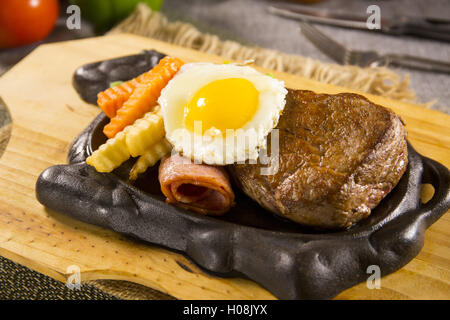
[[291, 261]]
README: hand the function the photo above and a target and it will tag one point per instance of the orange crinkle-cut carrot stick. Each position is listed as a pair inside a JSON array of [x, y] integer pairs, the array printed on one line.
[[113, 98], [144, 96]]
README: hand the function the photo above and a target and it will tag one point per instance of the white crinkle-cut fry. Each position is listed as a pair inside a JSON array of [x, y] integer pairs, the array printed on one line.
[[150, 157], [111, 154], [145, 132], [133, 141]]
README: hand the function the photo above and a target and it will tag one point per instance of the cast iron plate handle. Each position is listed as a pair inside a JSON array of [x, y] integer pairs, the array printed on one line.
[[95, 77], [290, 261]]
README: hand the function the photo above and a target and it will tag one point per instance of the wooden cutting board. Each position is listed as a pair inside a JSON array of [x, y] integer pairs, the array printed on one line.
[[47, 115]]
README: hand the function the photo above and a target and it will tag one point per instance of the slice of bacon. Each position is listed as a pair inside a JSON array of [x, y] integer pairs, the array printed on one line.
[[198, 187]]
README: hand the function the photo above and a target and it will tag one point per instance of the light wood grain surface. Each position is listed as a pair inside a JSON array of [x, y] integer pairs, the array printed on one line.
[[47, 115]]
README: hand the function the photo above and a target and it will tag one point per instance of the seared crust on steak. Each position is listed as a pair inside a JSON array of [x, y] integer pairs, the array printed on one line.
[[339, 155]]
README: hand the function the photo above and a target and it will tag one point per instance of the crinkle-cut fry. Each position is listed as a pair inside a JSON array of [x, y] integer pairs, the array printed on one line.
[[145, 132], [144, 96], [111, 154], [150, 158], [133, 141]]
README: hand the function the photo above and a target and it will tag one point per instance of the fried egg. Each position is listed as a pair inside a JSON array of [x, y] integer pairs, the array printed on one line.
[[220, 113]]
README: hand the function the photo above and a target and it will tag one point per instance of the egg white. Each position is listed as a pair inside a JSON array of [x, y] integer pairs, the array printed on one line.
[[212, 147]]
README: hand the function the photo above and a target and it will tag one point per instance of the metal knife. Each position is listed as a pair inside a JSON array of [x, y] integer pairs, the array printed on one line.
[[438, 29]]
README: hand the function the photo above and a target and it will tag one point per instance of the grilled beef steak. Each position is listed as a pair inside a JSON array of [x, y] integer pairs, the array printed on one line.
[[339, 155]]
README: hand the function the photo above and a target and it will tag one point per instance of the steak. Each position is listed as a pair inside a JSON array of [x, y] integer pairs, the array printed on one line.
[[339, 155]]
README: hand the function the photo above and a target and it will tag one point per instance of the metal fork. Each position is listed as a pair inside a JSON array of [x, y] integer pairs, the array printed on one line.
[[343, 55]]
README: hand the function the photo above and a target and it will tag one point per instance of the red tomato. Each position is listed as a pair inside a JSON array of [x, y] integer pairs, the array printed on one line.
[[26, 21]]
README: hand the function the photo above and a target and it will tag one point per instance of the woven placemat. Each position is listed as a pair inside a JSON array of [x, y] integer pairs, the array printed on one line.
[[17, 281], [375, 80], [129, 290]]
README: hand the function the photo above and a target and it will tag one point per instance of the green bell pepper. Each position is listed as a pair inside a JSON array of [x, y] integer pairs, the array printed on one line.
[[103, 14]]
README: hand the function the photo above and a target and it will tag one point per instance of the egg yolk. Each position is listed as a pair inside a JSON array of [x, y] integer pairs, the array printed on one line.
[[223, 104]]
